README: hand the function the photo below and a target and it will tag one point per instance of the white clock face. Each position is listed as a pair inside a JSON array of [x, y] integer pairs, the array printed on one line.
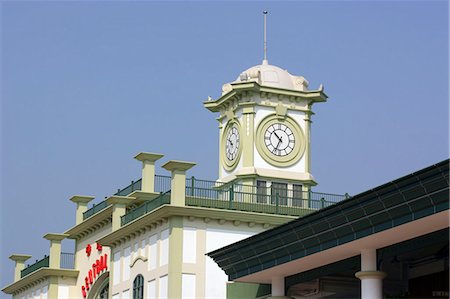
[[279, 139], [232, 145]]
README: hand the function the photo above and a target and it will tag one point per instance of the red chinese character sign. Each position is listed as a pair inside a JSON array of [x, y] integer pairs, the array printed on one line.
[[88, 250], [98, 267]]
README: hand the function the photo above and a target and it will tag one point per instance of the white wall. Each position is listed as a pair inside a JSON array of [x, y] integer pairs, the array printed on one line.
[[39, 291], [215, 278]]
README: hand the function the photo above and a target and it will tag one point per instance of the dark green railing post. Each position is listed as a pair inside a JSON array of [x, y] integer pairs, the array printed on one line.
[[132, 186], [322, 203], [277, 202], [231, 196], [309, 199], [192, 185]]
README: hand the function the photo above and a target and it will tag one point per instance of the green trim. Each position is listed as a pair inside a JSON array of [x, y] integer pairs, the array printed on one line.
[[239, 290], [308, 141], [227, 164], [248, 138], [36, 266], [299, 148]]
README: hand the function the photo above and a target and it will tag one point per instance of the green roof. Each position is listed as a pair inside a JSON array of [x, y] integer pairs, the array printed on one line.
[[406, 199]]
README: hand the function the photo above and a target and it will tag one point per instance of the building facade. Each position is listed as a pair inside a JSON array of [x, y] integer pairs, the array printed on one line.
[[150, 239]]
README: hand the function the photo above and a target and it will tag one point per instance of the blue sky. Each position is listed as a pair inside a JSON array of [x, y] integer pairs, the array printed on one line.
[[87, 85]]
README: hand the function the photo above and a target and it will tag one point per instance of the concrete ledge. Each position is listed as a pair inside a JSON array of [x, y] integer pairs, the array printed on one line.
[[125, 200], [174, 165], [81, 198], [55, 237], [152, 157], [19, 257]]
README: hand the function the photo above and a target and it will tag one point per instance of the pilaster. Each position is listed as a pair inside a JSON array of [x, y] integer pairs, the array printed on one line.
[[148, 170], [178, 181], [55, 249], [248, 131], [308, 141], [20, 260], [82, 203], [119, 204], [175, 257], [52, 287]]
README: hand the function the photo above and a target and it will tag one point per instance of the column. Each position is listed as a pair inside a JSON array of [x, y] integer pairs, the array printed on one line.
[[277, 288], [119, 204], [371, 278], [148, 170], [55, 249], [82, 203], [178, 181], [20, 260]]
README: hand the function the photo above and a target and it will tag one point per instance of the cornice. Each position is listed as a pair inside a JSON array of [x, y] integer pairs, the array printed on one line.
[[311, 96], [161, 215], [91, 224], [37, 277]]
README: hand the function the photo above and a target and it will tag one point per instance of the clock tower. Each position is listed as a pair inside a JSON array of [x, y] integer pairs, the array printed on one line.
[[264, 129]]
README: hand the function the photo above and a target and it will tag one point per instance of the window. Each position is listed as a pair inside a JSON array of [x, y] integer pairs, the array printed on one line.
[[297, 195], [104, 292], [138, 287], [261, 194], [279, 194]]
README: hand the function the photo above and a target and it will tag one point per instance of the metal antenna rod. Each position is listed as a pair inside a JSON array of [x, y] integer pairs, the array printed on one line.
[[265, 35]]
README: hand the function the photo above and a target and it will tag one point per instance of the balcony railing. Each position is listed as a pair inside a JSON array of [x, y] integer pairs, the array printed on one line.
[[162, 184], [258, 199], [95, 209], [149, 206], [67, 261], [34, 267], [276, 199]]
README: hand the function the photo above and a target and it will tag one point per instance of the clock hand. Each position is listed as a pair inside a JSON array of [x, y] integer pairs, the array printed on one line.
[[277, 136]]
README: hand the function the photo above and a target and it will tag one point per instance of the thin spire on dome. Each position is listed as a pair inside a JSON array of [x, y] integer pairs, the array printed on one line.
[[265, 38]]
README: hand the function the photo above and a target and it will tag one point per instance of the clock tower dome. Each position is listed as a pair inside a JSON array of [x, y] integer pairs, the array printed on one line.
[[264, 129]]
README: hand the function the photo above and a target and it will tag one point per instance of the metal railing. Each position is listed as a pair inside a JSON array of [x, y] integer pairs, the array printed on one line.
[[149, 206], [67, 260], [262, 200], [162, 184], [95, 209], [275, 199], [34, 267]]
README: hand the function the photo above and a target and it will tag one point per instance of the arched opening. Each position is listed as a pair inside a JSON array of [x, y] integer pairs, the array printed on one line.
[[100, 289], [138, 287]]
